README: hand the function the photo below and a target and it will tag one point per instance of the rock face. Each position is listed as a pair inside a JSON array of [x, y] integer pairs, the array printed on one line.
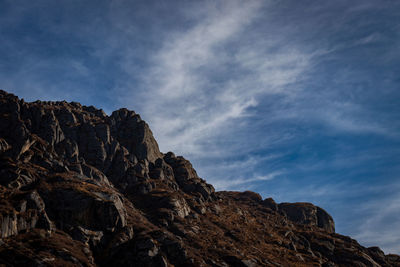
[[80, 188], [308, 214]]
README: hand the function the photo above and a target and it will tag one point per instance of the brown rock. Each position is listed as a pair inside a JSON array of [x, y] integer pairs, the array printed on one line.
[[80, 188], [307, 213]]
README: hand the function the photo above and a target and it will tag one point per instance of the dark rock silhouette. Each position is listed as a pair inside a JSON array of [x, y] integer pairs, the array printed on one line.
[[80, 188]]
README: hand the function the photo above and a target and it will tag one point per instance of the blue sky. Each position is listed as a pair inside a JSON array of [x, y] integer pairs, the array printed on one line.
[[298, 100]]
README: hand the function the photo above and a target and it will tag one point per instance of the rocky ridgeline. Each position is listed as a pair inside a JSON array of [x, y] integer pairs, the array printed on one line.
[[80, 188]]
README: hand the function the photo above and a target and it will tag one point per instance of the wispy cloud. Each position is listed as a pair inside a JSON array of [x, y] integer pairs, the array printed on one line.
[[244, 182], [189, 107], [369, 39], [205, 80], [263, 95], [381, 220], [219, 89]]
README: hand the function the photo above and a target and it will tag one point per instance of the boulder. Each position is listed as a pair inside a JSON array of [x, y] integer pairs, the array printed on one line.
[[308, 214], [4, 146], [270, 203], [186, 176], [28, 214], [90, 207], [134, 134]]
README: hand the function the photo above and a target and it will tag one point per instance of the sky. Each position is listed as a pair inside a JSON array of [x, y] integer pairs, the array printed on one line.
[[296, 100]]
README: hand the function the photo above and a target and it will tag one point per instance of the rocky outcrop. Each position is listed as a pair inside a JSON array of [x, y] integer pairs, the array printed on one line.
[[308, 214], [4, 146], [81, 188], [23, 212], [38, 248], [134, 134], [186, 176], [92, 207]]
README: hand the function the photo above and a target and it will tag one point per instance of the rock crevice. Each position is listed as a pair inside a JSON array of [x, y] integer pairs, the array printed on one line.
[[81, 188]]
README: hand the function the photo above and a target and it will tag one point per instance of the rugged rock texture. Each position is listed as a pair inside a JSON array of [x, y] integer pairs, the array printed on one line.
[[308, 214], [80, 188]]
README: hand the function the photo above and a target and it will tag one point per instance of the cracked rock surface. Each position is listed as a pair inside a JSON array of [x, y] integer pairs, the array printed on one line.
[[81, 188]]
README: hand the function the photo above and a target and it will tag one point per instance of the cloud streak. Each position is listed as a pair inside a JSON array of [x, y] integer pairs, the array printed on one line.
[[295, 100], [382, 223], [186, 104], [243, 183]]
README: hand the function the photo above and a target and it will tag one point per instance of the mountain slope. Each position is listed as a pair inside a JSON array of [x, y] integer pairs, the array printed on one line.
[[80, 188]]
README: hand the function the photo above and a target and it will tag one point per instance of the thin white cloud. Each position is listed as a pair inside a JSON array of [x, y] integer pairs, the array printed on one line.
[[349, 117], [229, 80], [176, 65], [186, 107], [206, 83], [382, 221], [249, 162], [237, 183], [369, 39]]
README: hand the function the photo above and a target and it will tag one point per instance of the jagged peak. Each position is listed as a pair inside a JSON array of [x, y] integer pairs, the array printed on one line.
[[97, 188]]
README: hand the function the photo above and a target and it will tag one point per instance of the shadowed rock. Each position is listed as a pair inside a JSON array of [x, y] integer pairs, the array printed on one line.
[[307, 213], [81, 188]]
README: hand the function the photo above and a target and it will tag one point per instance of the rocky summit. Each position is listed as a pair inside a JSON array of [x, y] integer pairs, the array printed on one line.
[[80, 188]]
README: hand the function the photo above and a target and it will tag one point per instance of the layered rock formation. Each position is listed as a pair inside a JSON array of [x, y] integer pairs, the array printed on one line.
[[80, 188]]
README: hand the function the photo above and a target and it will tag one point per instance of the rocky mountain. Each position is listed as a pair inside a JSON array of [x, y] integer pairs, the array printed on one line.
[[80, 188]]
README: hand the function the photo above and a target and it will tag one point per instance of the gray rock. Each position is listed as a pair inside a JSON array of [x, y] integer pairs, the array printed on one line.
[[86, 236], [147, 247], [134, 134], [270, 203], [186, 176], [4, 146], [30, 214], [49, 129], [204, 189], [307, 213], [97, 210]]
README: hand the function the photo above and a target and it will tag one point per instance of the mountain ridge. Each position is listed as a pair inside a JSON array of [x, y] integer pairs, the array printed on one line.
[[80, 188]]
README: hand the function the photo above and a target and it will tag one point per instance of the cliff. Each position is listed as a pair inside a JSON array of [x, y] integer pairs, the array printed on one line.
[[80, 188]]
